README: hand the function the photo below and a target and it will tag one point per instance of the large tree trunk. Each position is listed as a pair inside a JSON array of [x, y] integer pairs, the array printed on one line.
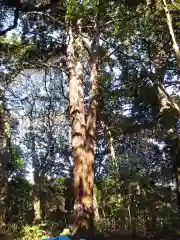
[[77, 116], [4, 158], [83, 133], [90, 143]]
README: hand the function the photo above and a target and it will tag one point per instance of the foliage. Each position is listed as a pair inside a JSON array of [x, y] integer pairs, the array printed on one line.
[[137, 138], [30, 232]]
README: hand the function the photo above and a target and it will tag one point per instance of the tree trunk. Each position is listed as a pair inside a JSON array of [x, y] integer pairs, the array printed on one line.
[[171, 31], [172, 138], [37, 210], [111, 148], [174, 145], [153, 216], [77, 117], [83, 133], [4, 159], [96, 207], [130, 217], [36, 200], [177, 177]]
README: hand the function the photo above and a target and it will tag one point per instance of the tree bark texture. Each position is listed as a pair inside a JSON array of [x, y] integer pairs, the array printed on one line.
[[83, 133]]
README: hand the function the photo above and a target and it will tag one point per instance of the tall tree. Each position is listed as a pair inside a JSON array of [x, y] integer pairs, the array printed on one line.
[[5, 135], [83, 126], [82, 21]]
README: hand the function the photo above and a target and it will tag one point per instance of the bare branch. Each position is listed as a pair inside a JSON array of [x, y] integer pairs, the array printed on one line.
[[25, 7], [14, 25]]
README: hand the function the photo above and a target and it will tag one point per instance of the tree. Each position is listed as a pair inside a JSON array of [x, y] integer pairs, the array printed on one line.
[[140, 56], [4, 159], [83, 128]]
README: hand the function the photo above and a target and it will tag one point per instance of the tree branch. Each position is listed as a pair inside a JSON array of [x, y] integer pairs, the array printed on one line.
[[25, 7], [169, 98], [14, 25], [172, 33]]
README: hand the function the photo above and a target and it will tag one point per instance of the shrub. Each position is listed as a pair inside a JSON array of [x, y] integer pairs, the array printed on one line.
[[30, 233]]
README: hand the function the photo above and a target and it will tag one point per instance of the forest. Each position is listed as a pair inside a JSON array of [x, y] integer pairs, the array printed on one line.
[[89, 119]]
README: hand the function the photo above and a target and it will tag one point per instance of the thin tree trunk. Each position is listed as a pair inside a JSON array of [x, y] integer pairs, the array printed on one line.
[[37, 210], [36, 200], [130, 218], [152, 213], [175, 153], [110, 145], [4, 158], [177, 177], [96, 208], [172, 139], [169, 23]]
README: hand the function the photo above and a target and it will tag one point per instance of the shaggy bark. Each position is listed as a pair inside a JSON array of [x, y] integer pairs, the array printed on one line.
[[83, 133]]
